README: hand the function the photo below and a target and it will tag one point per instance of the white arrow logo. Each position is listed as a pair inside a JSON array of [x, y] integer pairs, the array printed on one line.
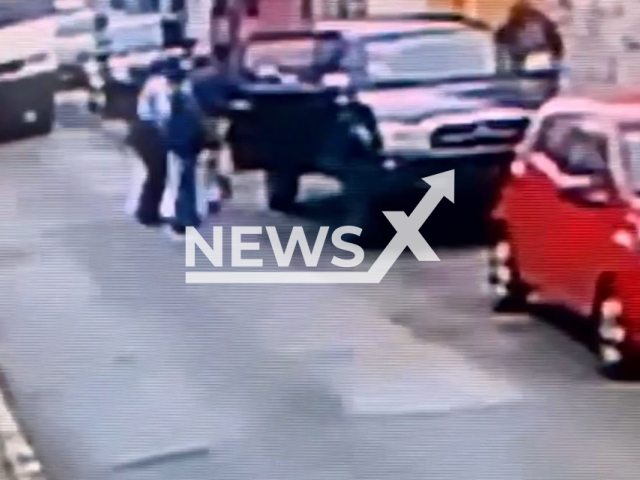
[[407, 235]]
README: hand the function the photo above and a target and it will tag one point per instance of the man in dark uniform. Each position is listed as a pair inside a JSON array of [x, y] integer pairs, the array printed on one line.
[[186, 138], [213, 89]]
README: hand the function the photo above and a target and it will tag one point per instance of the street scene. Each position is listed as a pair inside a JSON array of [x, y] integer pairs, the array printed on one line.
[[515, 356]]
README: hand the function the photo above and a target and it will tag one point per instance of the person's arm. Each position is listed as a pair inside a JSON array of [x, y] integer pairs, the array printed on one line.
[[146, 102], [369, 120], [554, 39]]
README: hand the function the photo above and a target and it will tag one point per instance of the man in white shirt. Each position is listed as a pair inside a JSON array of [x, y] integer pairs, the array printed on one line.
[[147, 138]]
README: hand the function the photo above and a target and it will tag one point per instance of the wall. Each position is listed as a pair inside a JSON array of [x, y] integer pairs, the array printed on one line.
[[599, 36], [491, 11], [198, 19], [281, 14]]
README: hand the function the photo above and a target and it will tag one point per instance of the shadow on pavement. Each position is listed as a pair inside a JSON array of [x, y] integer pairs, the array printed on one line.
[[456, 226]]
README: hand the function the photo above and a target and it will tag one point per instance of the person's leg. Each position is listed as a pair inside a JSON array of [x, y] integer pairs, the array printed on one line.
[[141, 140], [186, 201], [159, 179], [153, 154]]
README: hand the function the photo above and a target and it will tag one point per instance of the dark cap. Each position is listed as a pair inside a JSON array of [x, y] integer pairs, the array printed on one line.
[[173, 70]]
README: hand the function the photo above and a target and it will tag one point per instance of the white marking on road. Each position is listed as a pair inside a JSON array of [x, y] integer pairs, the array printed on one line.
[[164, 456], [16, 452], [404, 375]]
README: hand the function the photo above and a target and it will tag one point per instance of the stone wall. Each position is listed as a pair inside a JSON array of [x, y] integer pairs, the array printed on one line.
[[602, 38]]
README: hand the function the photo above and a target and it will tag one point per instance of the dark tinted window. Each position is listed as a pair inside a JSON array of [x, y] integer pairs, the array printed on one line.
[[430, 55], [574, 149], [307, 56], [553, 139], [587, 153]]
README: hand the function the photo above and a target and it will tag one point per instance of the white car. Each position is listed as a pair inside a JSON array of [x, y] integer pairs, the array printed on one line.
[[74, 43], [76, 40]]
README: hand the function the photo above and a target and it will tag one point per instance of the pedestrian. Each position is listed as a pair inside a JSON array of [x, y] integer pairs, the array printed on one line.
[[355, 140], [101, 34], [186, 138], [102, 49], [146, 136], [213, 89], [526, 32]]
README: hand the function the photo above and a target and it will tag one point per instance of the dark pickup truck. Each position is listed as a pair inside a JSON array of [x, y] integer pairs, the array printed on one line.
[[380, 105]]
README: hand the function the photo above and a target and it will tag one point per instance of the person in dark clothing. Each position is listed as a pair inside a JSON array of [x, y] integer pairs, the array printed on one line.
[[213, 89], [185, 139], [354, 141], [528, 31], [148, 143], [147, 139]]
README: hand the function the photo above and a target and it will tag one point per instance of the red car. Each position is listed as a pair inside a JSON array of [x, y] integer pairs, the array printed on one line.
[[569, 221]]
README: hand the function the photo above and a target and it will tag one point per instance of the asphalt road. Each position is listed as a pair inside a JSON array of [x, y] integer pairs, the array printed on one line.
[[119, 370]]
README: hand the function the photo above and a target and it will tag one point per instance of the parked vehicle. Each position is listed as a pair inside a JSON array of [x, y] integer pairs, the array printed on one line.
[[76, 42], [428, 89], [27, 67], [115, 80], [569, 221]]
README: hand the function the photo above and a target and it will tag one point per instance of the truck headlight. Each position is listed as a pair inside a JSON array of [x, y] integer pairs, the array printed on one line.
[[398, 136]]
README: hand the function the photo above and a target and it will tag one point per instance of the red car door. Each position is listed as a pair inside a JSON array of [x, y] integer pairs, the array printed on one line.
[[591, 215], [532, 206]]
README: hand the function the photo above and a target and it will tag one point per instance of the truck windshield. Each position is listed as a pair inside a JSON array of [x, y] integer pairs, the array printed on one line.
[[300, 54], [430, 56], [15, 11]]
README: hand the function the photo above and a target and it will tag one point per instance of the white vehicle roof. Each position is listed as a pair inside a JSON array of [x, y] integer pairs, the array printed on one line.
[[19, 37], [618, 107]]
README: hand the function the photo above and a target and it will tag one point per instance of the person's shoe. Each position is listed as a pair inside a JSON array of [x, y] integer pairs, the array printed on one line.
[[225, 187], [176, 234], [152, 222], [214, 207]]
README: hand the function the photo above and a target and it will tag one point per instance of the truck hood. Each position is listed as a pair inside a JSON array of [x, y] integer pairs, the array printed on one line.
[[416, 104], [18, 39]]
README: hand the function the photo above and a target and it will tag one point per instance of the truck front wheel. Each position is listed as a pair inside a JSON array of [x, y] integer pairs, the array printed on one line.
[[282, 190]]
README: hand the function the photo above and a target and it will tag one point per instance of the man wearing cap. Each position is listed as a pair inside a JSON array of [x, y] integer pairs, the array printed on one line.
[[186, 137]]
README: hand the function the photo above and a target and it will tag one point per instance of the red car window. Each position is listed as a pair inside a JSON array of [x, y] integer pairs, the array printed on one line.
[[574, 150], [587, 153]]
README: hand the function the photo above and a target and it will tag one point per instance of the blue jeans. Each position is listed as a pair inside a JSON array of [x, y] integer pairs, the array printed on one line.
[[186, 210]]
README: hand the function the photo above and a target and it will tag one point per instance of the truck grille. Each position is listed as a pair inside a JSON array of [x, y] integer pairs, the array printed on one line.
[[489, 133], [11, 67]]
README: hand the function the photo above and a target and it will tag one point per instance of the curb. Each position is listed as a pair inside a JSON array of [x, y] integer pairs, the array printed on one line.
[[16, 454]]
